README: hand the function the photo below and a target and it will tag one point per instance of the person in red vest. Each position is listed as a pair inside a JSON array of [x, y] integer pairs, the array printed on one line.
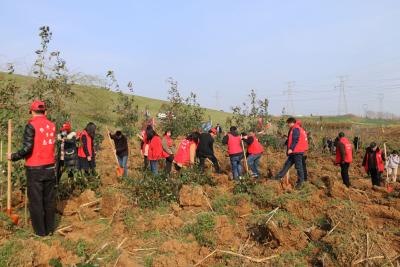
[[168, 150], [155, 150], [297, 145], [304, 160], [344, 156], [86, 151], [38, 151], [235, 151], [186, 154], [254, 151], [144, 146], [373, 163]]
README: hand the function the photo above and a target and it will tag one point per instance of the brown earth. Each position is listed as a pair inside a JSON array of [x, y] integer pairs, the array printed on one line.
[[324, 224]]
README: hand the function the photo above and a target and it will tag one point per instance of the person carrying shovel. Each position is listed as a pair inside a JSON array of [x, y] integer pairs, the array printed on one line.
[[297, 144], [38, 152]]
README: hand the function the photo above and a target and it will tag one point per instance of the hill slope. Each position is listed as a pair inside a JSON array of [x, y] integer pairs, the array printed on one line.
[[96, 104]]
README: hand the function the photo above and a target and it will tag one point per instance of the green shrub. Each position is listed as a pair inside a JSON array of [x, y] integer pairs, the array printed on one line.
[[191, 176], [152, 191], [202, 229], [244, 186]]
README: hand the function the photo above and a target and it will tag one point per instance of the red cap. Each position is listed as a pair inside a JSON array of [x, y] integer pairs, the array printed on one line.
[[213, 130], [66, 127], [38, 106]]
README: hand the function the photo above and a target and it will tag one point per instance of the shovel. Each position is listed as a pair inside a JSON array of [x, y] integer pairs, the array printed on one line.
[[245, 158], [120, 171], [14, 217]]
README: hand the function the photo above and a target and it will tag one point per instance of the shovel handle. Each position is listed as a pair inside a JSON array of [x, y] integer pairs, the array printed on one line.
[[9, 165]]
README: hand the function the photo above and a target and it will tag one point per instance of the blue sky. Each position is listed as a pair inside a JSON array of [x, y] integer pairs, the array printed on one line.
[[223, 47]]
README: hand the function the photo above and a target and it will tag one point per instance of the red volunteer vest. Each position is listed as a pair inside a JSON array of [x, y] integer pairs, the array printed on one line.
[[234, 144], [183, 153], [81, 152], [43, 147], [169, 144], [348, 158], [379, 162], [155, 148], [302, 144], [255, 147]]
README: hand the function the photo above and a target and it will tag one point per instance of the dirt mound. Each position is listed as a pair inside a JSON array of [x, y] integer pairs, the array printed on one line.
[[69, 207], [112, 202], [41, 253], [182, 254], [167, 222], [192, 196], [227, 234]]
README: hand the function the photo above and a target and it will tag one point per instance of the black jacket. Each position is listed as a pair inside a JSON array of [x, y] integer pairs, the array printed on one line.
[[27, 144], [121, 145], [206, 145]]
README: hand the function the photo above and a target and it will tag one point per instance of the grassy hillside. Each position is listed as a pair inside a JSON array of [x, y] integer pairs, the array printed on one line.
[[96, 104]]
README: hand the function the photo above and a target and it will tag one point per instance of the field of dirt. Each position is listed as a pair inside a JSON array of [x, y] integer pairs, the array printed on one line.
[[323, 224]]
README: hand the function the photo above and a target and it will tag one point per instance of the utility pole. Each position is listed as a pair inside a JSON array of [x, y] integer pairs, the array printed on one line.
[[365, 108], [381, 97], [290, 102], [342, 105]]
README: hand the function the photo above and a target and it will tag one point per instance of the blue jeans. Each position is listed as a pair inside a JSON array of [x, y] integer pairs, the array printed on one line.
[[236, 165], [297, 160], [123, 164], [253, 160], [154, 166]]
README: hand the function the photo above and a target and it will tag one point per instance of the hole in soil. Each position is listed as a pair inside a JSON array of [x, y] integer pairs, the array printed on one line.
[[261, 234]]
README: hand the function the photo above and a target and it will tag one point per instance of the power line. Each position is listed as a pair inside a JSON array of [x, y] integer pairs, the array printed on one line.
[[290, 102], [342, 106]]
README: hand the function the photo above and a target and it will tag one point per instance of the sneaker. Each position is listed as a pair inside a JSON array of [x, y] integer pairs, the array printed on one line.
[[299, 186]]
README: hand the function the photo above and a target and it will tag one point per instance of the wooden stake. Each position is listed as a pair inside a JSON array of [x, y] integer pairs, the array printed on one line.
[[387, 170], [9, 167], [26, 206], [245, 158]]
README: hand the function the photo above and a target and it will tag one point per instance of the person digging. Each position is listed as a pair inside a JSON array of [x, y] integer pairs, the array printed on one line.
[[297, 144]]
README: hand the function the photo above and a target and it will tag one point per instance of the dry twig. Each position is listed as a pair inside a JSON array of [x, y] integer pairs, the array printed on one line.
[[333, 229], [237, 255]]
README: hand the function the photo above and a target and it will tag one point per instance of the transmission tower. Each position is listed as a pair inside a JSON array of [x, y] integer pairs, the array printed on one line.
[[381, 97], [290, 102], [365, 108], [342, 106]]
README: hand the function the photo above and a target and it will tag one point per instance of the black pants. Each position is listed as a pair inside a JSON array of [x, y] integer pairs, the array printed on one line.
[[213, 159], [41, 196], [344, 171], [168, 164], [146, 163], [375, 177], [297, 161], [305, 167]]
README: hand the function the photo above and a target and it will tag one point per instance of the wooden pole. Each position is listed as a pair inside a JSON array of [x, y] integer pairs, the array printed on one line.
[[1, 175], [245, 158], [9, 167], [387, 170], [26, 207], [112, 146]]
